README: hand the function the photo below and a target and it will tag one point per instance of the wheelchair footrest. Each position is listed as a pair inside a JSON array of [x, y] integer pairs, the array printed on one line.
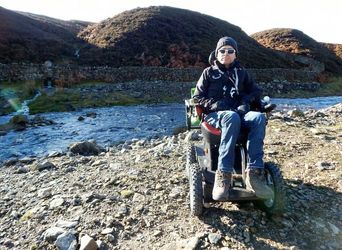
[[236, 194]]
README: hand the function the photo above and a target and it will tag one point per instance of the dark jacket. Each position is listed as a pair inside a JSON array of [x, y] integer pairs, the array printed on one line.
[[225, 89]]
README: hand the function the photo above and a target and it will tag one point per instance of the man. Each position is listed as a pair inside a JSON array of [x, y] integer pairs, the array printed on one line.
[[225, 91]]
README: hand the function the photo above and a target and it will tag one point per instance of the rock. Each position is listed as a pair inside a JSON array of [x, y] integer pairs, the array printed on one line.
[[107, 231], [110, 238], [99, 163], [138, 198], [91, 114], [157, 233], [44, 193], [325, 166], [246, 235], [66, 224], [22, 170], [126, 193], [80, 118], [186, 244], [27, 215], [158, 186], [8, 243], [55, 203], [192, 136], [88, 243], [70, 169], [175, 192], [11, 162], [52, 233], [19, 122], [27, 160], [66, 241], [85, 148], [296, 113], [46, 165], [335, 229], [214, 238], [101, 245], [122, 210], [15, 215], [40, 121], [54, 154]]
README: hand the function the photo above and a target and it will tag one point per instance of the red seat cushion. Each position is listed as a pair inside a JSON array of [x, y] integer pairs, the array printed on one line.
[[211, 129]]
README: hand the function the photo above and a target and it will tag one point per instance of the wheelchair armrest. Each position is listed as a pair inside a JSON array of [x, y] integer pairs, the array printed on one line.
[[193, 114], [191, 102]]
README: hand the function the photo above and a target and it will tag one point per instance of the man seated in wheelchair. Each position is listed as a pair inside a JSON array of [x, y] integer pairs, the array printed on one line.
[[225, 92]]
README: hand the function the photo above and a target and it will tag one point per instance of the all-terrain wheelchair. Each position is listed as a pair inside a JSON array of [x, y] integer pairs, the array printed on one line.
[[202, 159]]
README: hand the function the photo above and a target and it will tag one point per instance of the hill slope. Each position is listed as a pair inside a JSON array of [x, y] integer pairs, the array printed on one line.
[[27, 37], [173, 37], [335, 48], [154, 36], [74, 26], [296, 42]]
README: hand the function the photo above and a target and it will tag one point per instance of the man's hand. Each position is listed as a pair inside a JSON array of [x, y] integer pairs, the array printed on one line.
[[243, 109], [219, 106]]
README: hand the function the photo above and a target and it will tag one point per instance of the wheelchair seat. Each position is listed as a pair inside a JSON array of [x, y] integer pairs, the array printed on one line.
[[213, 135]]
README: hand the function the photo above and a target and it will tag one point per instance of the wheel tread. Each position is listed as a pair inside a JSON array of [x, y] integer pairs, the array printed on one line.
[[196, 190]]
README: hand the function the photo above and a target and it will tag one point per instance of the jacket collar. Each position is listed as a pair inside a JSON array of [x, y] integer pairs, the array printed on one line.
[[218, 66]]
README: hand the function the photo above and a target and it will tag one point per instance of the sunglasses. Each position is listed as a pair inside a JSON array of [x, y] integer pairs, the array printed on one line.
[[229, 51]]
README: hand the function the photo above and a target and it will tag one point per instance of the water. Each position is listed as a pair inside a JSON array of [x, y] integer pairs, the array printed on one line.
[[306, 103], [111, 125], [23, 110], [115, 124]]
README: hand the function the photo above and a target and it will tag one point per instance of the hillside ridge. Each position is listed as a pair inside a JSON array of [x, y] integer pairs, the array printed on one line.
[[295, 42], [155, 36]]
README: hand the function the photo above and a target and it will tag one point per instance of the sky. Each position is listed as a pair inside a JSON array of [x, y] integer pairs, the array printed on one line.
[[319, 19]]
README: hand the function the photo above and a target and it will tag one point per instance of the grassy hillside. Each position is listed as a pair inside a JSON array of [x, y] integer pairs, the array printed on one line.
[[335, 48], [153, 36], [296, 42], [32, 38], [166, 36]]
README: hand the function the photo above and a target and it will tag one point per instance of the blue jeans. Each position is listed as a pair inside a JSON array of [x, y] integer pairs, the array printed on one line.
[[230, 122]]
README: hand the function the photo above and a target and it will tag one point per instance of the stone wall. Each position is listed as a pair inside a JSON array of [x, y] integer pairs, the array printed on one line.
[[178, 91], [279, 79], [22, 72]]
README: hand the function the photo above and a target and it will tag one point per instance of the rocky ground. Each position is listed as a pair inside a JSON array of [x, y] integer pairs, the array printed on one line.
[[135, 195]]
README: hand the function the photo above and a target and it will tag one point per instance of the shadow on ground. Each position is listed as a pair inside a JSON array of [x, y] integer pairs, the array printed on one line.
[[312, 220]]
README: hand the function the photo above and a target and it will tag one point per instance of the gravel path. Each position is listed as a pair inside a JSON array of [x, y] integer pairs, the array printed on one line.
[[134, 196]]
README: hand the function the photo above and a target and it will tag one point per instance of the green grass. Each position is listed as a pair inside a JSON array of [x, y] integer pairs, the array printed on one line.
[[69, 99]]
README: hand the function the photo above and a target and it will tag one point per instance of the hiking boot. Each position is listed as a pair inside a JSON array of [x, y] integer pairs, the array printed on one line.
[[223, 181], [256, 182]]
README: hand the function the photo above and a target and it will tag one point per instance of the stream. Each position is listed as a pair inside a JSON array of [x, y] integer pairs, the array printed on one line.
[[113, 125]]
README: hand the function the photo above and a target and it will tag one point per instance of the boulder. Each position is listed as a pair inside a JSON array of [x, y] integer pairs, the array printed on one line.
[[19, 122], [85, 148]]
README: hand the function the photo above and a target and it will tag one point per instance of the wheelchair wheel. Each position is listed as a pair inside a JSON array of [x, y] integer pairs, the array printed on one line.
[[196, 189], [190, 158], [275, 205]]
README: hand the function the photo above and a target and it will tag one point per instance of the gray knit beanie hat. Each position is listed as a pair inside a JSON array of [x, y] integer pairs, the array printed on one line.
[[226, 41]]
